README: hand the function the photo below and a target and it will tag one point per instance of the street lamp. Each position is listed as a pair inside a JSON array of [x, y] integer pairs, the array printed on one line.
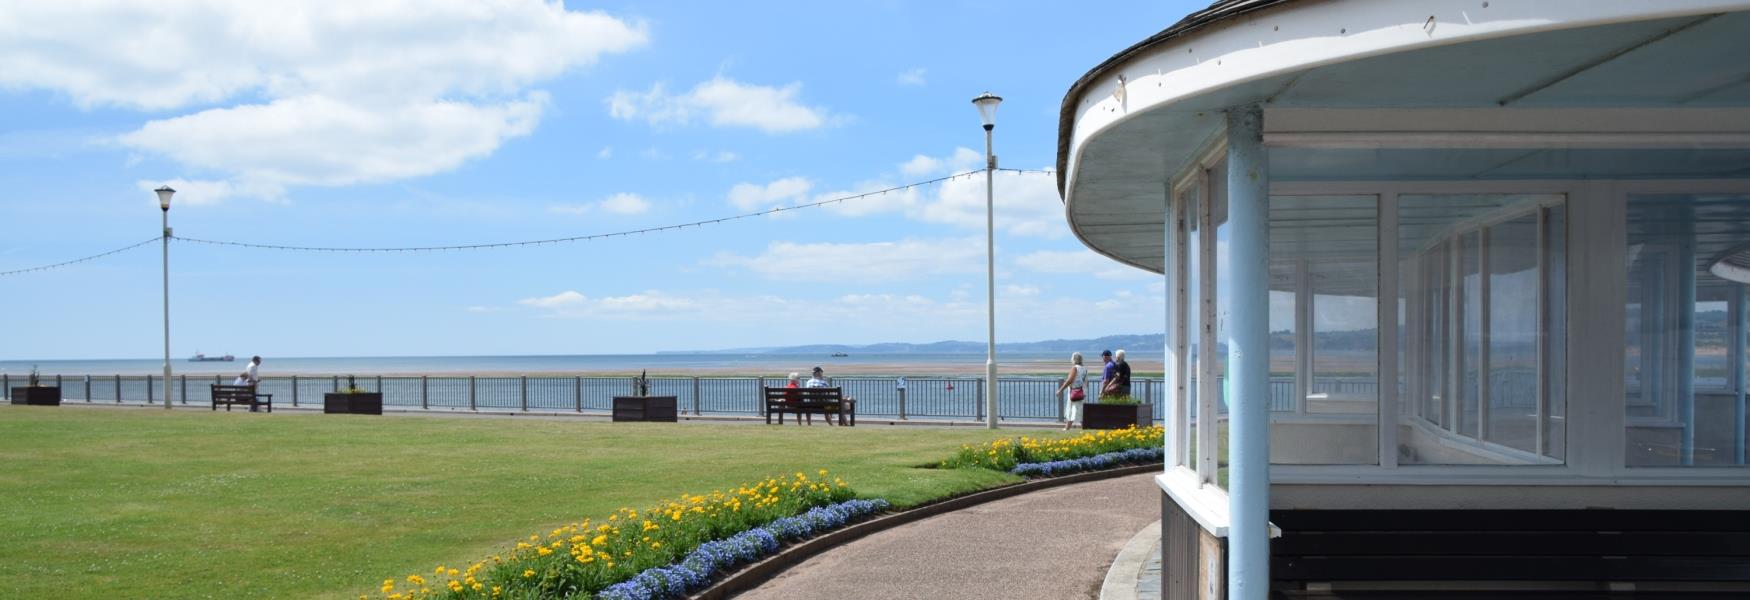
[[164, 194], [987, 112]]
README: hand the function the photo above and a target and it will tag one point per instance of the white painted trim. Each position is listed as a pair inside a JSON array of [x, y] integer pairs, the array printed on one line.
[[1504, 139], [1464, 122], [1205, 503], [1386, 311], [1299, 36], [1208, 413]]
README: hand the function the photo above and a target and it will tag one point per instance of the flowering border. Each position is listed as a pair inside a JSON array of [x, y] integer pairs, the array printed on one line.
[[1089, 463], [710, 559]]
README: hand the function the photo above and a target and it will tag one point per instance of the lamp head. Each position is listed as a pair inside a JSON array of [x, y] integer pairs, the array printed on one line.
[[987, 108], [164, 194]]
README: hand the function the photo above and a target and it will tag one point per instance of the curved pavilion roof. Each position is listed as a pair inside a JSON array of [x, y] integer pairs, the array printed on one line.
[[1139, 118]]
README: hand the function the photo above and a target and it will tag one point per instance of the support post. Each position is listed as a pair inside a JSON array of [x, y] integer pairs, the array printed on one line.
[[695, 396], [977, 408], [118, 389], [184, 389], [294, 391], [1736, 353], [6, 387], [902, 404], [88, 388], [424, 393], [525, 392], [471, 405], [761, 402], [577, 393], [1248, 347], [1686, 337], [148, 389], [1175, 425]]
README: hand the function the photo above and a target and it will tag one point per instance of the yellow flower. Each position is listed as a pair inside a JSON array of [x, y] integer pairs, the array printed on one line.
[[527, 573], [599, 540], [543, 551]]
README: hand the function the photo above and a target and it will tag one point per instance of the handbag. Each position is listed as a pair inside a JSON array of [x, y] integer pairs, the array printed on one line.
[[1077, 395]]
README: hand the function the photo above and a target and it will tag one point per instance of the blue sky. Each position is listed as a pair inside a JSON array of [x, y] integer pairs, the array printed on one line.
[[373, 124]]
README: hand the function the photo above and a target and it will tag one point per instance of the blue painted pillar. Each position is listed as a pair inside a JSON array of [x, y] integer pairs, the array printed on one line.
[[1248, 355]]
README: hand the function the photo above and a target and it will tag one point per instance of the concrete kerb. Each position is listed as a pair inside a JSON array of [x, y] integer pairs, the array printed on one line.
[[757, 573], [1121, 578]]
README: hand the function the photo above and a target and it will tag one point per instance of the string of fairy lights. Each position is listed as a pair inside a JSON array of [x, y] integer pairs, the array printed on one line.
[[536, 242]]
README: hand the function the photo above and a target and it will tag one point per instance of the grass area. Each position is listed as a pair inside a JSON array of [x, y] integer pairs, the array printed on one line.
[[141, 503]]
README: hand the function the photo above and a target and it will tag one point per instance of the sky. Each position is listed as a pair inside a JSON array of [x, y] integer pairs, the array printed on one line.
[[373, 123]]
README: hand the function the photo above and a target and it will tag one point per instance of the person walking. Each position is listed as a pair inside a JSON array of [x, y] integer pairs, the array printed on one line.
[[1073, 383], [252, 376]]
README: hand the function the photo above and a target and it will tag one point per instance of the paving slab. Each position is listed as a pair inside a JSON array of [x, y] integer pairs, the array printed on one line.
[[1055, 544]]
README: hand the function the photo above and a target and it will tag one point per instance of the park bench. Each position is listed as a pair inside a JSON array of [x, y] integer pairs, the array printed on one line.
[[240, 394], [805, 402]]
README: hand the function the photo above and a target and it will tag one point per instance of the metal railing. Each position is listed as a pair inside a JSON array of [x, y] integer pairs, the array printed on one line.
[[924, 398]]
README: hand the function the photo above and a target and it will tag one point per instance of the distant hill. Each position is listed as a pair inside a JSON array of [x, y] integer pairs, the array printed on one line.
[[1152, 341]]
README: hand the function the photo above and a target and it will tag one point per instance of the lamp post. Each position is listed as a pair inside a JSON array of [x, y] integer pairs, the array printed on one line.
[[164, 194], [987, 112]]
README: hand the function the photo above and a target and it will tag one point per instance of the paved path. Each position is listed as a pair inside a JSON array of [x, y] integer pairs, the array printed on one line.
[[1054, 544]]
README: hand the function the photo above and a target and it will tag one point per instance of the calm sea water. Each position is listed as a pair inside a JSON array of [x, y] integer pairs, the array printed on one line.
[[666, 364]]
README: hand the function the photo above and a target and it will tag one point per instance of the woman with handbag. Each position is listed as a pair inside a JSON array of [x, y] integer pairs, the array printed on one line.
[[1073, 383]]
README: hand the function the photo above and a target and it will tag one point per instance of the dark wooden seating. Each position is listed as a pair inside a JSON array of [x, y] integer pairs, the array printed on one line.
[[240, 394], [806, 402], [1529, 552]]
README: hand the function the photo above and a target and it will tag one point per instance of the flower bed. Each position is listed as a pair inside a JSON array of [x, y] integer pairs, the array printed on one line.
[[583, 559], [1090, 463], [696, 571], [1006, 454]]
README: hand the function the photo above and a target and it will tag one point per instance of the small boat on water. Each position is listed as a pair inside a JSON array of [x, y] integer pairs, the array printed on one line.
[[839, 355], [198, 357]]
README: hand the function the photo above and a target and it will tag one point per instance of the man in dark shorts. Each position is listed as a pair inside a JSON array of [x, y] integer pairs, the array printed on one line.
[[1116, 376]]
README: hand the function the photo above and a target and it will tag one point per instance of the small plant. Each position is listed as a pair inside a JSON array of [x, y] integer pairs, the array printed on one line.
[[641, 383], [352, 387], [35, 378], [1118, 399]]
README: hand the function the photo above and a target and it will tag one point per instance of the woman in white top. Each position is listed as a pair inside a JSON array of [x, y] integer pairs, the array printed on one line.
[[1071, 388]]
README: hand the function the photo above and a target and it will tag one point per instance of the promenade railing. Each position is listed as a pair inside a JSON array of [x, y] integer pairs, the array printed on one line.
[[923, 398]]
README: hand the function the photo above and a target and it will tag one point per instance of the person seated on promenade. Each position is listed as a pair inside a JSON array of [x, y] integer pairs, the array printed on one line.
[[818, 380], [795, 380]]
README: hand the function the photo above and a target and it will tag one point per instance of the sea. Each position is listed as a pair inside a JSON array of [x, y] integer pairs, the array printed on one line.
[[896, 364]]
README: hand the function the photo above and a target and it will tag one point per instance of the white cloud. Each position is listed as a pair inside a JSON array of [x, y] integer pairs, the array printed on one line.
[[319, 140], [332, 93], [1079, 262], [920, 166], [625, 204], [1026, 203], [721, 156], [199, 192], [605, 153], [560, 300], [864, 263], [912, 77], [752, 196], [1021, 290], [722, 102]]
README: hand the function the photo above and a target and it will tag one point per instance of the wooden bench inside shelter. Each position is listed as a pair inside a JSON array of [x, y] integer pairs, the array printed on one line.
[[806, 402], [240, 395]]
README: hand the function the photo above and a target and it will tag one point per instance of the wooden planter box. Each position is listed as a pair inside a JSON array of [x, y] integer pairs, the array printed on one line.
[[37, 396], [353, 404], [645, 408], [1117, 416]]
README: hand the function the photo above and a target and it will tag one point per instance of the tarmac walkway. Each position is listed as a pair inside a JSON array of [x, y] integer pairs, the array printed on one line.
[[1053, 544]]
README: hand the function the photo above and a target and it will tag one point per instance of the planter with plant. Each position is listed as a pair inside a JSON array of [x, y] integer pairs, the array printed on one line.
[[353, 400], [1117, 412], [34, 393], [645, 407]]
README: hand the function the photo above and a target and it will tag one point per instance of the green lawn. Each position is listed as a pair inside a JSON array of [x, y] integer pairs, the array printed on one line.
[[142, 503]]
